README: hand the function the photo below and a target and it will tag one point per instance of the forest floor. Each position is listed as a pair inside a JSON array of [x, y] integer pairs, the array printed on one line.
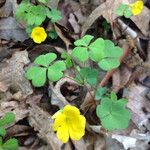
[[33, 106]]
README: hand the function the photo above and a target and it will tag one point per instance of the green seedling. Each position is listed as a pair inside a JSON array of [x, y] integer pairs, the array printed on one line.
[[11, 144], [46, 67]]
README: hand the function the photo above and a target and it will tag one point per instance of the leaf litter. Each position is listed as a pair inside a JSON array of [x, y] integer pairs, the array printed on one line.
[[33, 107]]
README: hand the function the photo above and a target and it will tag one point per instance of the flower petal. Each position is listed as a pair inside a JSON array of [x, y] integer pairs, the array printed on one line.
[[71, 111], [62, 133], [137, 7], [37, 39], [57, 114], [59, 121], [77, 127]]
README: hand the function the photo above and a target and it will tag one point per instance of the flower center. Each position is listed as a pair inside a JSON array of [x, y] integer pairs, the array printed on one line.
[[37, 34]]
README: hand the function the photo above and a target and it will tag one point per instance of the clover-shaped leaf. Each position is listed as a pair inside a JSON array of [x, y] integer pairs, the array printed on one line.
[[55, 71], [34, 16], [113, 114], [45, 60], [128, 12], [8, 118], [109, 63], [121, 8], [11, 144], [97, 49], [124, 10], [54, 15], [81, 53], [103, 52], [84, 41], [39, 74]]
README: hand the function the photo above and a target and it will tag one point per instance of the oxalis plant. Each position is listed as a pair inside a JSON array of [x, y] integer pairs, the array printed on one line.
[[105, 54], [34, 15], [129, 10], [10, 144]]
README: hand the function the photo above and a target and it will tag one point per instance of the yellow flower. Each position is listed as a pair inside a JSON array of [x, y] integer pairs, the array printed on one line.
[[69, 123], [137, 7], [38, 35]]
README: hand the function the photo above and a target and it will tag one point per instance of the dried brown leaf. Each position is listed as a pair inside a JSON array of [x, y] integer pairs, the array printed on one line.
[[42, 122], [13, 75]]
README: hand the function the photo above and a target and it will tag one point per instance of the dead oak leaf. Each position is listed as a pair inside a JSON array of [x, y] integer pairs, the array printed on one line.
[[13, 75]]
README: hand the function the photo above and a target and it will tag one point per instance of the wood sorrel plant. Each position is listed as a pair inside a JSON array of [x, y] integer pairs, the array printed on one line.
[[105, 54], [11, 144], [128, 10], [34, 15]]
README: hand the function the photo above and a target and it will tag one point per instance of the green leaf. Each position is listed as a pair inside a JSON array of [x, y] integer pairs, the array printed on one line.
[[109, 63], [100, 92], [37, 75], [2, 131], [120, 10], [8, 118], [54, 15], [97, 50], [68, 59], [84, 41], [81, 53], [36, 15], [87, 75], [29, 30], [113, 114], [11, 144], [128, 12], [22, 9], [1, 142], [55, 71], [53, 34], [109, 44], [113, 96], [30, 19], [39, 20], [92, 77], [111, 50], [59, 65], [83, 73], [46, 59]]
